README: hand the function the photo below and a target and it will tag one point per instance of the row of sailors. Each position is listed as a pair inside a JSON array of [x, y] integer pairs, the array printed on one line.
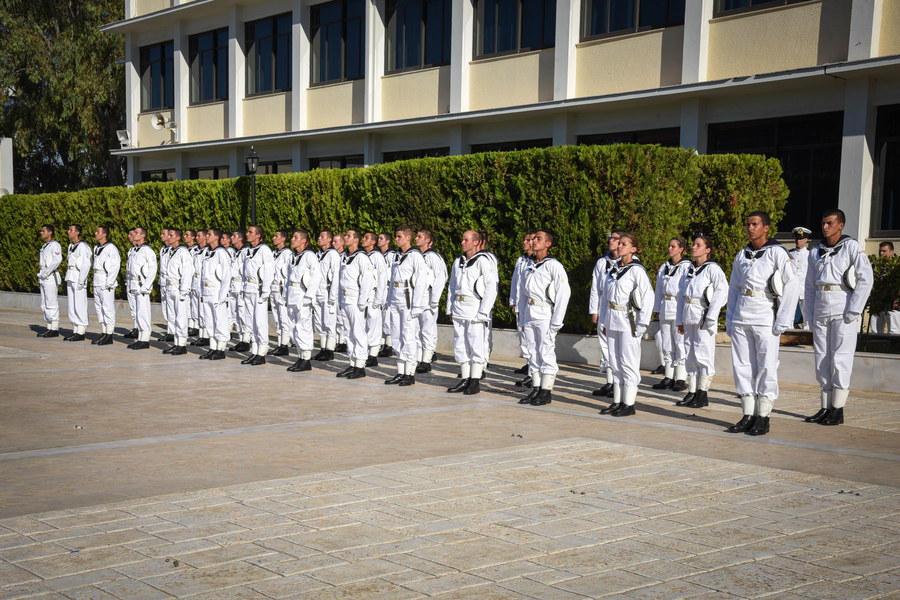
[[380, 299]]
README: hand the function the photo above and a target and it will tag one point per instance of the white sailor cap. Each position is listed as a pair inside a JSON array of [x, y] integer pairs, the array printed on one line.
[[801, 232]]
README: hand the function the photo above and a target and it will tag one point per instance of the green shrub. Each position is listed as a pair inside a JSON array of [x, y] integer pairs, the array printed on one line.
[[577, 192]]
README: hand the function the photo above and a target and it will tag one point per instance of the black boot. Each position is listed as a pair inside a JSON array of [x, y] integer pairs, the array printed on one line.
[[169, 337], [742, 426], [474, 387], [325, 355], [131, 335], [423, 367], [688, 398], [700, 400], [218, 355], [342, 348], [105, 340], [193, 332], [202, 342], [531, 396], [835, 417], [661, 369], [140, 346], [240, 347], [543, 397], [607, 387], [208, 355], [760, 426], [394, 380], [259, 359], [372, 361], [526, 382], [624, 410], [345, 372], [407, 380], [679, 386], [459, 387], [178, 350], [665, 384], [49, 333], [248, 360], [280, 350], [614, 407], [522, 370], [169, 350], [356, 373], [818, 417], [386, 351]]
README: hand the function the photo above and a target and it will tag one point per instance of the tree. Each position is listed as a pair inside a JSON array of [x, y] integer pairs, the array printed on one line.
[[62, 94]]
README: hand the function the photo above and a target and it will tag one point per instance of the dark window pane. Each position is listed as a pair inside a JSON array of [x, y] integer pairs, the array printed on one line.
[[653, 13], [507, 23], [621, 15]]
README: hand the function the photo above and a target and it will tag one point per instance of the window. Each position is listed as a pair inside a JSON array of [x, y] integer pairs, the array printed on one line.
[[505, 26], [727, 7], [809, 148], [670, 136], [272, 168], [209, 173], [338, 41], [886, 192], [418, 33], [605, 17], [157, 77], [337, 162], [269, 55], [410, 154], [209, 66], [517, 145], [162, 175]]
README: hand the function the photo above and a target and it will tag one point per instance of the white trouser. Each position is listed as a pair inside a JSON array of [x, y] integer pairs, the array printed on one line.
[[105, 307], [142, 315], [325, 318], [280, 317], [834, 343], [301, 323], [78, 309], [129, 295], [406, 335], [470, 342], [604, 349], [217, 320], [374, 329], [163, 304], [196, 318], [248, 311], [388, 315], [50, 301], [543, 348], [178, 311], [754, 354], [672, 343], [428, 332], [524, 349], [885, 322], [357, 338], [257, 315], [342, 329], [701, 351], [624, 358], [236, 309]]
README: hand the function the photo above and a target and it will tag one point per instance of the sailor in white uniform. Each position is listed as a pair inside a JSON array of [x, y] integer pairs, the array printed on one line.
[[436, 280], [838, 282], [164, 252], [628, 298], [301, 289], [357, 291], [259, 271], [179, 275], [388, 315], [762, 298], [141, 270], [215, 285], [470, 298], [597, 304], [283, 256], [409, 298], [375, 316], [800, 259], [665, 304], [49, 279], [547, 298], [78, 267], [107, 263], [236, 302], [325, 316], [198, 251], [516, 296], [702, 294]]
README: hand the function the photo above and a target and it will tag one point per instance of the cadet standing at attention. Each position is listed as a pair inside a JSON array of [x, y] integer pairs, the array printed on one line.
[[79, 266], [48, 279]]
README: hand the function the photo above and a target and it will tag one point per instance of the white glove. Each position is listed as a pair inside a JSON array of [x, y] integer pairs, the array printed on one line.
[[850, 317], [778, 329], [331, 308], [555, 328], [184, 296], [710, 326], [263, 298], [639, 331], [81, 286]]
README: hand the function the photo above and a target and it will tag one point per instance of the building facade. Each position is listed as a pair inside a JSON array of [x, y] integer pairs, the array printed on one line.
[[345, 83]]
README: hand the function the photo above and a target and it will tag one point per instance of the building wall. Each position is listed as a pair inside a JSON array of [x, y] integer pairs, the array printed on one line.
[[207, 122], [267, 114], [414, 94], [524, 78], [779, 39], [336, 105], [143, 7], [889, 40], [147, 134]]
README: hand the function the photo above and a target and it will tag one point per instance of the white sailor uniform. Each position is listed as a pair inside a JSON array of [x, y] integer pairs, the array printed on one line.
[[107, 263], [357, 289], [236, 302], [279, 308], [702, 294], [470, 299], [375, 316], [179, 276], [597, 305], [436, 280], [325, 316], [259, 271], [834, 303], [301, 289], [140, 272], [79, 266], [800, 262], [49, 279], [409, 298], [195, 321], [669, 279], [389, 315], [547, 294], [164, 253], [215, 284], [516, 297]]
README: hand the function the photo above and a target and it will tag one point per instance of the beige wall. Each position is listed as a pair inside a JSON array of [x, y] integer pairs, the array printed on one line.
[[890, 29], [511, 80], [634, 62], [142, 7], [267, 114], [147, 135], [779, 39], [336, 105], [207, 122], [415, 94]]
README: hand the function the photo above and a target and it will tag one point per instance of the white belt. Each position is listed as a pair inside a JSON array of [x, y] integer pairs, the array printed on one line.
[[350, 293], [615, 306], [690, 300], [532, 302], [171, 282], [754, 293], [668, 297], [401, 284], [466, 299], [296, 284], [236, 279], [830, 287], [251, 280], [196, 276]]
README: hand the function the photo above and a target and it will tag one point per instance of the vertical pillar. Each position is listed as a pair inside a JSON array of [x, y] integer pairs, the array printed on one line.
[[693, 128], [371, 149], [562, 130], [182, 95], [461, 50], [865, 29], [375, 32], [568, 16], [695, 53], [299, 157], [237, 80], [857, 158], [459, 140], [300, 50]]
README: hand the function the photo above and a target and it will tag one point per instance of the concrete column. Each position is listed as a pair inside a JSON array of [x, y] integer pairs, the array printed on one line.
[[697, 14], [459, 140], [865, 29], [7, 181], [132, 89], [299, 157], [236, 166], [133, 166], [568, 18], [371, 149], [693, 126], [375, 33], [299, 69], [462, 30], [182, 96], [857, 158], [181, 169], [562, 130], [237, 81], [130, 9]]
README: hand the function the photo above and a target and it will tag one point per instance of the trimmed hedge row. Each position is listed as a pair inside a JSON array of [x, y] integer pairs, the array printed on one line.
[[577, 192]]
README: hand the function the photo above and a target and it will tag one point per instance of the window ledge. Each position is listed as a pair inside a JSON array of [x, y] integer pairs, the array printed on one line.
[[616, 35], [748, 11], [507, 55], [266, 95]]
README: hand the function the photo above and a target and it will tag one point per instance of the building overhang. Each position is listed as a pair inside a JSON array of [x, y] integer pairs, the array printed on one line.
[[882, 67], [168, 17]]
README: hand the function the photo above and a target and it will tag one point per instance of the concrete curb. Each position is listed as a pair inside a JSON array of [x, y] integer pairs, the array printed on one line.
[[872, 372]]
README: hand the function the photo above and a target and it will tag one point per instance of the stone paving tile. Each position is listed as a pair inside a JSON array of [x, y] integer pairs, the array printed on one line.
[[569, 519]]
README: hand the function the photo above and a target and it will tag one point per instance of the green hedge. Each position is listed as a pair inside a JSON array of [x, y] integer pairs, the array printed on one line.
[[578, 192]]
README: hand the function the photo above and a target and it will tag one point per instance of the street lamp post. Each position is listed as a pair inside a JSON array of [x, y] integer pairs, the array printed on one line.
[[252, 161]]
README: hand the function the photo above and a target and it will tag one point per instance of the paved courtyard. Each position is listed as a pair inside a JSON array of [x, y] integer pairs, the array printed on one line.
[[136, 475]]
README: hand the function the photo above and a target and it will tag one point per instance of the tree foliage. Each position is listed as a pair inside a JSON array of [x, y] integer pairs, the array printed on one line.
[[62, 94]]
